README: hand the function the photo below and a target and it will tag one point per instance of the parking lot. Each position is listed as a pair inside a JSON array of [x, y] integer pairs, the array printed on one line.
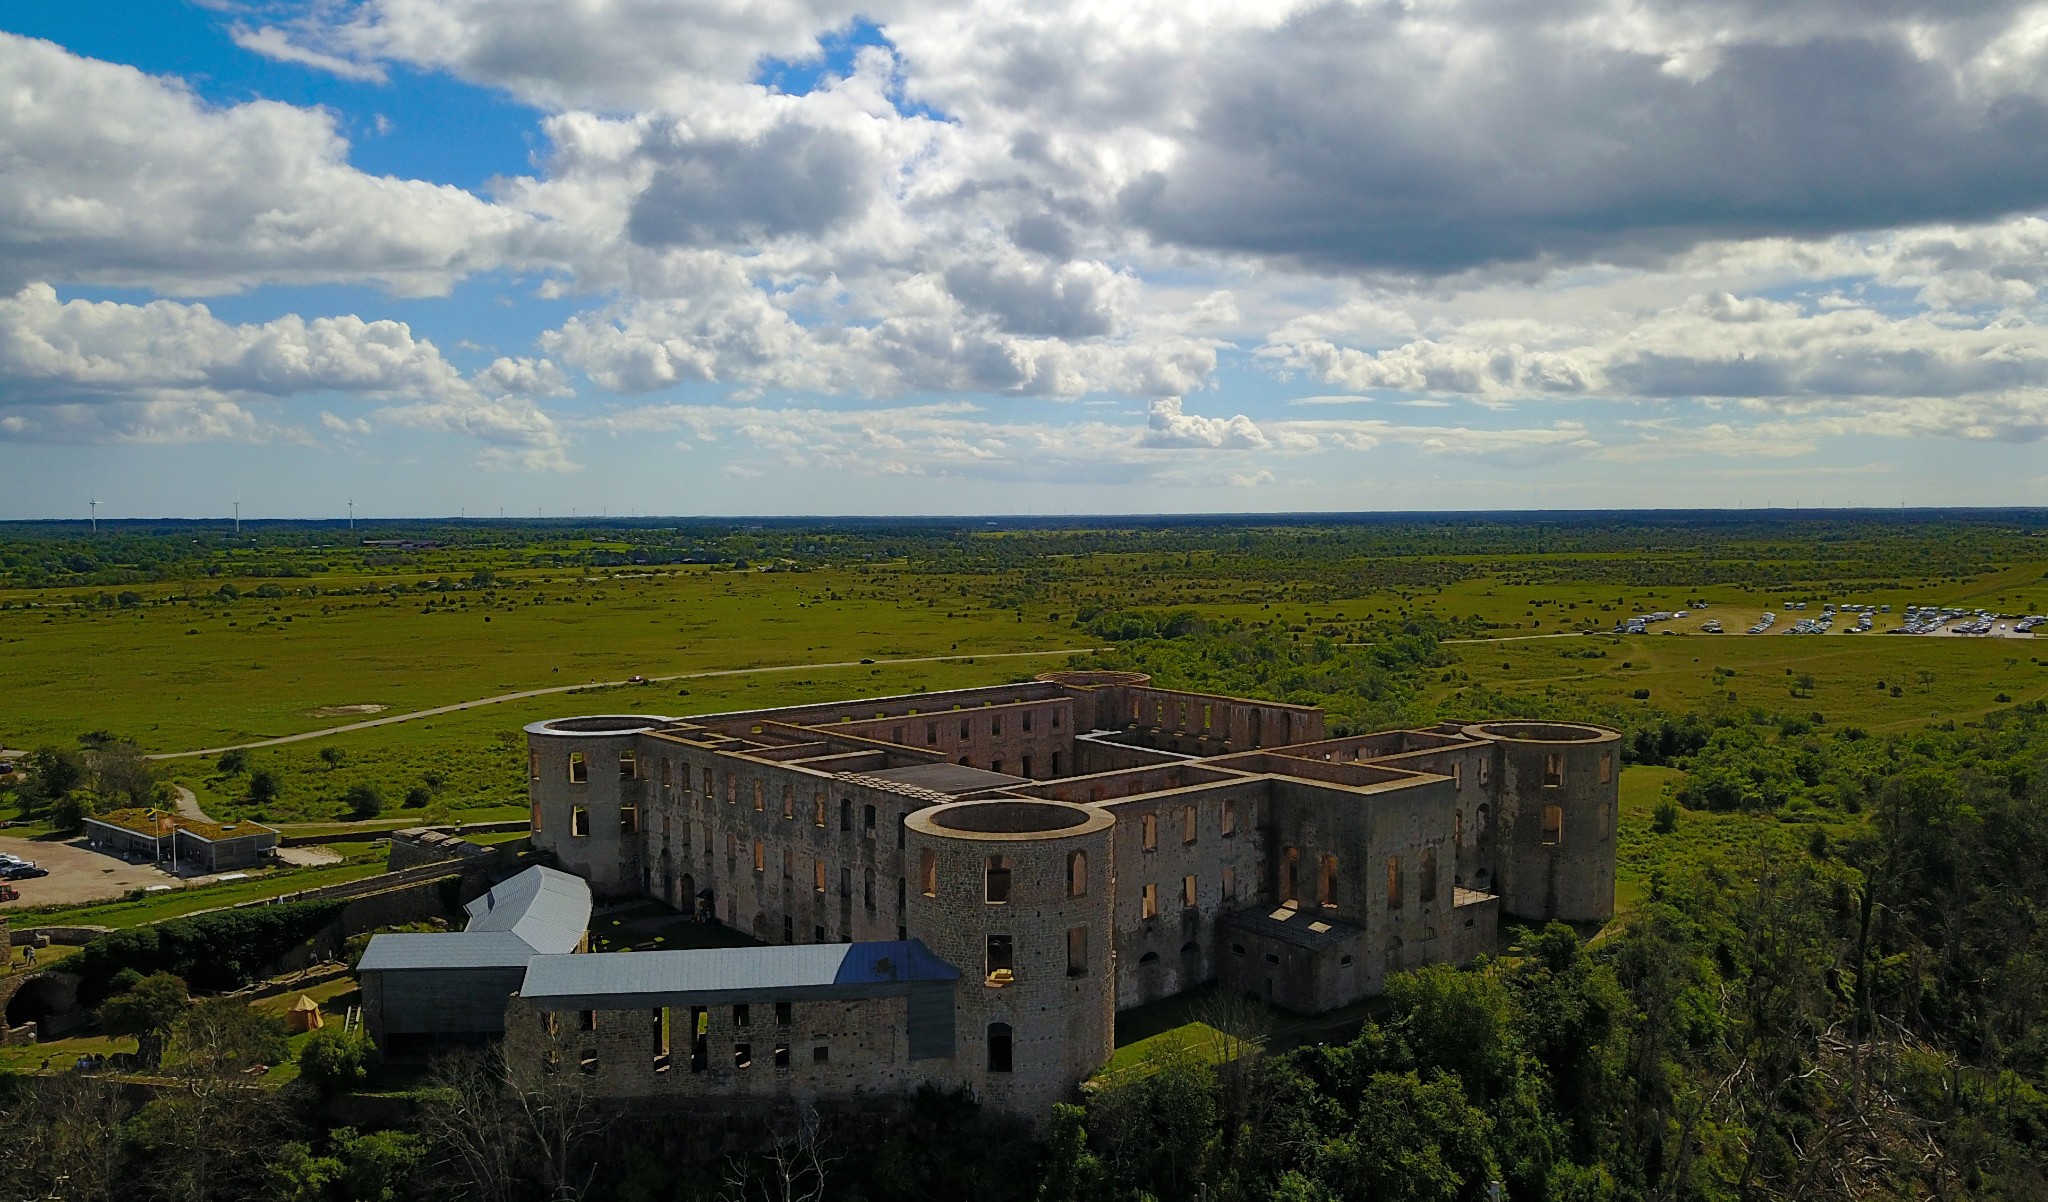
[[77, 874]]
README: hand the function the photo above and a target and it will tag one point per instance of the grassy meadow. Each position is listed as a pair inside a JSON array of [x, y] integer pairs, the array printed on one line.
[[275, 634]]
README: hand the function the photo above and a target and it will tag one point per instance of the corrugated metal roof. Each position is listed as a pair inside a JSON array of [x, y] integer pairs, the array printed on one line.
[[539, 912], [866, 966], [550, 910], [445, 949]]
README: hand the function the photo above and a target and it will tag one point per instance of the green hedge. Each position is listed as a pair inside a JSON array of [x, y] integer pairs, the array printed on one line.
[[216, 951]]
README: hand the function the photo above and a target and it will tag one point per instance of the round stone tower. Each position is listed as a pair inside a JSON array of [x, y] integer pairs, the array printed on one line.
[[1558, 791], [1018, 896], [588, 790]]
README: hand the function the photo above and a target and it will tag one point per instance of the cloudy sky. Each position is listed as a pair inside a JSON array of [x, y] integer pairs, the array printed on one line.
[[810, 256]]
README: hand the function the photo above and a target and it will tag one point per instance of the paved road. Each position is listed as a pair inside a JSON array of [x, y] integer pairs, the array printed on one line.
[[391, 719]]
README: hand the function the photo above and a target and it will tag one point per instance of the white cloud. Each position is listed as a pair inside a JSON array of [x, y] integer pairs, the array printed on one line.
[[82, 371], [274, 43], [117, 177], [1169, 426]]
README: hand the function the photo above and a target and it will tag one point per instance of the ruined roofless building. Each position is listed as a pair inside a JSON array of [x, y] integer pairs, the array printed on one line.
[[1013, 865]]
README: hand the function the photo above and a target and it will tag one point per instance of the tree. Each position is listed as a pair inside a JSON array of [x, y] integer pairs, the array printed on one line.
[[147, 1012], [363, 801], [332, 756], [333, 1058], [221, 1036], [118, 772], [63, 1138], [418, 797], [52, 773], [263, 787], [232, 762]]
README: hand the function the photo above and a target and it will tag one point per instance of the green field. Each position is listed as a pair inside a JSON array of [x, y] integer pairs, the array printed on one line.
[[194, 640]]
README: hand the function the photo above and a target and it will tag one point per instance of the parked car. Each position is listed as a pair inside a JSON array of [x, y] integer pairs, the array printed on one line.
[[22, 872]]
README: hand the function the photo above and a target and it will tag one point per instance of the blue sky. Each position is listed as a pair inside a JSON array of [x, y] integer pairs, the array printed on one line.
[[556, 255]]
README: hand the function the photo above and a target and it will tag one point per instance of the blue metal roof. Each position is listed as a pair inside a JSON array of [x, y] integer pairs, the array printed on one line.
[[445, 949], [550, 910], [852, 968]]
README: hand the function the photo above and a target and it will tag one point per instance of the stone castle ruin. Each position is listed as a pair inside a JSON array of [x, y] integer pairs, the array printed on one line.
[[963, 888]]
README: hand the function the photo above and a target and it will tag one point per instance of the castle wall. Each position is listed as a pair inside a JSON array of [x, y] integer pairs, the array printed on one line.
[[1560, 791], [1172, 949], [1033, 1026], [620, 1053]]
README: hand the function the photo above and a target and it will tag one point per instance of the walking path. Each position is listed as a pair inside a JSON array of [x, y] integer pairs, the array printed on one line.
[[188, 805], [391, 719]]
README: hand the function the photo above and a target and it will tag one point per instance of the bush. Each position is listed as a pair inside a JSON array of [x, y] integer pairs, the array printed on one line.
[[263, 787], [417, 797], [1664, 819], [1641, 694], [232, 762], [363, 801], [335, 1059]]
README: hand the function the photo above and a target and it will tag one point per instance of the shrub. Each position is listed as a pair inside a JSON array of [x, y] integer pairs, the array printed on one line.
[[363, 801], [335, 1059], [1664, 819], [263, 787], [232, 762]]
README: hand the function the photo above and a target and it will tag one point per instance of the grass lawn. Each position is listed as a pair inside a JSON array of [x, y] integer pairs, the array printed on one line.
[[177, 902]]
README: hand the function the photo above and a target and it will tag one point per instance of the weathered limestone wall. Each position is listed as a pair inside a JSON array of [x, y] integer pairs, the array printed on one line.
[[1057, 1003]]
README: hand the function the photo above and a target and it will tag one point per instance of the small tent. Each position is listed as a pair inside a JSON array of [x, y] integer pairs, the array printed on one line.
[[305, 1014]]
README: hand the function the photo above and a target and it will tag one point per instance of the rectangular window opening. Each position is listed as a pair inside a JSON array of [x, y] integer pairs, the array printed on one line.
[[579, 821], [579, 768], [1001, 960]]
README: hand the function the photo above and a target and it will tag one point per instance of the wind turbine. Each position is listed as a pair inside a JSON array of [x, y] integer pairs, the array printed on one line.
[[94, 506], [351, 515], [238, 515]]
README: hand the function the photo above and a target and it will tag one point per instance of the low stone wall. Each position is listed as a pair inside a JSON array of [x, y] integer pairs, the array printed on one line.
[[373, 835], [415, 902], [425, 845], [45, 936]]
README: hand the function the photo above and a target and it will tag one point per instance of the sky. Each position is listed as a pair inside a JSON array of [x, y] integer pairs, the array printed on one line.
[[707, 257]]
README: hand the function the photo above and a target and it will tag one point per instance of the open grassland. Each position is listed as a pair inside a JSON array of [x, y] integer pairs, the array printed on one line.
[[238, 642], [200, 672]]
